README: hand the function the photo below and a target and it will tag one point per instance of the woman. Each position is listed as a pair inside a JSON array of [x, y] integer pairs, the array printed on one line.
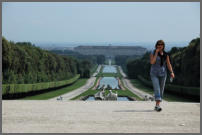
[[159, 59]]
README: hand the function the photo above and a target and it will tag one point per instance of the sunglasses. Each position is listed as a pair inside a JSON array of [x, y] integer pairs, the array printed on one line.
[[159, 44]]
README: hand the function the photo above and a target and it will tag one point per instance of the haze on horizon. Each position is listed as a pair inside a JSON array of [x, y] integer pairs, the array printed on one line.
[[100, 22]]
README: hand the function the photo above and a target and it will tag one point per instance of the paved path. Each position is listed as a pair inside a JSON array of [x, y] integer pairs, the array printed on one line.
[[122, 73], [46, 116], [97, 71], [133, 89], [80, 90]]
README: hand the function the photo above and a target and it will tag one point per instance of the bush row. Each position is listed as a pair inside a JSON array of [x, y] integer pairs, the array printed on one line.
[[10, 89], [181, 90]]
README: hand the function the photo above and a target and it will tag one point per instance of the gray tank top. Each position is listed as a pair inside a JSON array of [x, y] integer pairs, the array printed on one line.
[[157, 69]]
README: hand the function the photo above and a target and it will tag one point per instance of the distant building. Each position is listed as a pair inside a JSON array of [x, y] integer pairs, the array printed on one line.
[[110, 50]]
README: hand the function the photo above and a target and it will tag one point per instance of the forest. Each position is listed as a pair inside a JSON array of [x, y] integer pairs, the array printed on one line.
[[24, 63]]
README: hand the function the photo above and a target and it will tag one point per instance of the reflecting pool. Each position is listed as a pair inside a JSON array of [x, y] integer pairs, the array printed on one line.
[[113, 82], [91, 98], [109, 69]]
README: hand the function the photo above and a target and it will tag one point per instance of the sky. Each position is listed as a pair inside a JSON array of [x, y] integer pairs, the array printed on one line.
[[100, 22]]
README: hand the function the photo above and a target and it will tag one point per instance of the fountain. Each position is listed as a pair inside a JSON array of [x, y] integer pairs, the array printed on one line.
[[60, 98], [101, 95], [108, 87], [111, 96]]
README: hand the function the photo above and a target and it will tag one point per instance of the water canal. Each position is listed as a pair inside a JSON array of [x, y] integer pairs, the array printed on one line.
[[111, 81], [109, 69], [91, 98]]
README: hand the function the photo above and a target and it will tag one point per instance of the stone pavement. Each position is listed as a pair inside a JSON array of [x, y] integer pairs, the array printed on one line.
[[47, 116]]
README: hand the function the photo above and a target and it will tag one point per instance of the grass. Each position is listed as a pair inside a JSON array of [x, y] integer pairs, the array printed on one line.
[[93, 70], [130, 93], [89, 92], [101, 69], [95, 82], [58, 92], [113, 62], [101, 74], [167, 96], [118, 72], [108, 75]]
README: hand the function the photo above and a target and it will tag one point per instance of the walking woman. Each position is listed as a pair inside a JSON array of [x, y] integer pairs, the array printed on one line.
[[160, 62]]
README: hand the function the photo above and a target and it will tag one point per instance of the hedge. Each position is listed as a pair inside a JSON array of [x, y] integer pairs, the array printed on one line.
[[10, 89], [190, 91]]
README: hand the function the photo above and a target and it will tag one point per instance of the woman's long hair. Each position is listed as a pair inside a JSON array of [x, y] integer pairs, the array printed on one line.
[[160, 42]]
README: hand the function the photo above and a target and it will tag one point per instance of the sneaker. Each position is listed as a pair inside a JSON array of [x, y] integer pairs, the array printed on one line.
[[157, 108]]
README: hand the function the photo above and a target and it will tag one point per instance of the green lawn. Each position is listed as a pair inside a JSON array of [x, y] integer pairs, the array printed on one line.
[[93, 70], [88, 92], [58, 92], [109, 75], [118, 72], [129, 93], [113, 62], [167, 96], [101, 74]]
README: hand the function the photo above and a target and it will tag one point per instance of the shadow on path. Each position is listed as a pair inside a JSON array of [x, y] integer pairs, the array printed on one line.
[[135, 111]]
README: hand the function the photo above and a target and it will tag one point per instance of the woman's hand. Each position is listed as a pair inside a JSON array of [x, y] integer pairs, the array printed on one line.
[[157, 50], [172, 75]]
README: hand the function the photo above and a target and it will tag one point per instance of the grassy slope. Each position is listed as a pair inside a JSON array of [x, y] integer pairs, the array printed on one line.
[[167, 96], [58, 92]]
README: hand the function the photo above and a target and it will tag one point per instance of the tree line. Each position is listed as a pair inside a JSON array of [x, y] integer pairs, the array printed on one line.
[[23, 63], [95, 59], [185, 62], [122, 60]]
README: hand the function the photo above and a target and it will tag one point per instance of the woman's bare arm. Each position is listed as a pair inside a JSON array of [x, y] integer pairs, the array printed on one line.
[[169, 66]]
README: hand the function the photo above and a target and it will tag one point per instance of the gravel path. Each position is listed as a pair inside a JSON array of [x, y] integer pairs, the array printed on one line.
[[122, 73], [78, 91], [46, 116], [97, 71], [133, 89]]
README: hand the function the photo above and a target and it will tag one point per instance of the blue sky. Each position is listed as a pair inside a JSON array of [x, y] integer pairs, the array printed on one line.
[[93, 22]]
